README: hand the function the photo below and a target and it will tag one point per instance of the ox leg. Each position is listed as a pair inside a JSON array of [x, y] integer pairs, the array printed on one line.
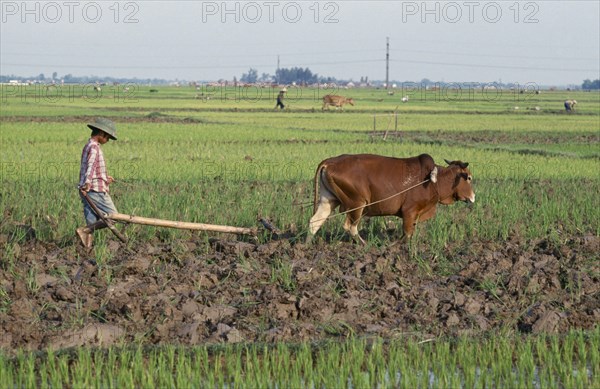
[[408, 225], [410, 222], [351, 225], [427, 214], [326, 206]]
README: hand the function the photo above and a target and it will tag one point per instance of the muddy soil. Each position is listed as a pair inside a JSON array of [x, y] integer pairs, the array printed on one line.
[[224, 290]]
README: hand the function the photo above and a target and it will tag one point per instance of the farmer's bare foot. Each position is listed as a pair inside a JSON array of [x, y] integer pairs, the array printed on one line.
[[85, 236]]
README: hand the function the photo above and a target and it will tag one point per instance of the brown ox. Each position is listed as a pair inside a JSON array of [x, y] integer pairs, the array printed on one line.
[[336, 101], [373, 185]]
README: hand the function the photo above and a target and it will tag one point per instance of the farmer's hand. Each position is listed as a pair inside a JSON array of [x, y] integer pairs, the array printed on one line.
[[110, 180], [86, 188]]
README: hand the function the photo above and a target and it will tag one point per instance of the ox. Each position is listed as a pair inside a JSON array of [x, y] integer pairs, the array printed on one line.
[[336, 101], [373, 185]]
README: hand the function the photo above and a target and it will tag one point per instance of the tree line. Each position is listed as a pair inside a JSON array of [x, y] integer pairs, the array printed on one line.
[[297, 75], [589, 84]]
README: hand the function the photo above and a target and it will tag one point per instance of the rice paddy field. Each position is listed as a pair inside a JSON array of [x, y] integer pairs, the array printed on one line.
[[504, 292]]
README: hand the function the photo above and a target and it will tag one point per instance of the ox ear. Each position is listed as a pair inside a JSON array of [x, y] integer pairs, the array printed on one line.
[[463, 165]]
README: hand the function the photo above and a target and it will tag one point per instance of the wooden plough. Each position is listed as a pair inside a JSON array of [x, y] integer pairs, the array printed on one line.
[[110, 218], [180, 225]]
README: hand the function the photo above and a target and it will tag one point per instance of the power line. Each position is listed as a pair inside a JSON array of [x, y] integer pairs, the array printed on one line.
[[244, 66], [499, 66], [495, 55], [182, 67], [387, 62], [38, 54], [216, 66]]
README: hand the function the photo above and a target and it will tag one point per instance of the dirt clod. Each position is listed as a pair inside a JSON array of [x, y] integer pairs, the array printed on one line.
[[228, 291]]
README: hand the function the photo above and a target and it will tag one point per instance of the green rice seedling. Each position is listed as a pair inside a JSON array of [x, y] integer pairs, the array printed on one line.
[[355, 353], [125, 373], [201, 365], [466, 360], [233, 364], [5, 300], [99, 363], [63, 368], [31, 281], [25, 370], [304, 358], [182, 368], [565, 360], [282, 274], [7, 377], [525, 364], [327, 367], [82, 367], [253, 365], [7, 261], [594, 356], [376, 363], [281, 363]]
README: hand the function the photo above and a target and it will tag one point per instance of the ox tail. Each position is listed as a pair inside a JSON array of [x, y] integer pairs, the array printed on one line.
[[316, 182]]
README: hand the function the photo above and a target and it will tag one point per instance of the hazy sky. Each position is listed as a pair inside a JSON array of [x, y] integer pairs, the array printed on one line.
[[541, 42]]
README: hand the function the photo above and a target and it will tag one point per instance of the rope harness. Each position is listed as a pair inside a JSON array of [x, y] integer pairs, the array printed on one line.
[[376, 202]]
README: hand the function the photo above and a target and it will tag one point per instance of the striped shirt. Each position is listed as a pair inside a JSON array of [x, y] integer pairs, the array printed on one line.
[[93, 168]]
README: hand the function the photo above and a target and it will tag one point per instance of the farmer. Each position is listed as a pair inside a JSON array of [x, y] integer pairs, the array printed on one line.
[[94, 179], [570, 105], [280, 97]]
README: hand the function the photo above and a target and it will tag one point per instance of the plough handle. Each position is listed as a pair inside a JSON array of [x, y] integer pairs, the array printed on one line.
[[108, 223]]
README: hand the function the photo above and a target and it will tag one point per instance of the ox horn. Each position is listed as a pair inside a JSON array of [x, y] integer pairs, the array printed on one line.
[[463, 165]]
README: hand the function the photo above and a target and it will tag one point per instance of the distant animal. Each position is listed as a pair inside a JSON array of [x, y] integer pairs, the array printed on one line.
[[374, 185], [405, 99], [336, 101], [570, 105]]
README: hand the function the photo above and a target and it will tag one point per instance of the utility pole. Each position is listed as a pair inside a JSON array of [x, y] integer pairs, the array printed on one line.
[[387, 63], [277, 72]]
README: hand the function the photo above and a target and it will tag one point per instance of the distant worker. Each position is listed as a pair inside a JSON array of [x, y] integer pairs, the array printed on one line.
[[94, 179], [570, 105], [280, 98]]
